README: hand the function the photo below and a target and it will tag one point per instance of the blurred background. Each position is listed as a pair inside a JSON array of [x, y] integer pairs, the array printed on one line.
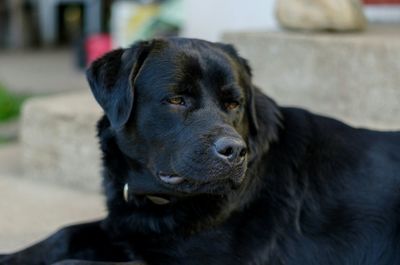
[[335, 57]]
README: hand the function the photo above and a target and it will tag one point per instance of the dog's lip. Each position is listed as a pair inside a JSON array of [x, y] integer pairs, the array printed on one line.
[[173, 179]]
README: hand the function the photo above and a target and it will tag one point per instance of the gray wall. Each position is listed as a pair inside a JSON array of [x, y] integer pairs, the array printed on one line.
[[353, 77]]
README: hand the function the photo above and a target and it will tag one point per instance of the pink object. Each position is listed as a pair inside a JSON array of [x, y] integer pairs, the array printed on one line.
[[96, 46]]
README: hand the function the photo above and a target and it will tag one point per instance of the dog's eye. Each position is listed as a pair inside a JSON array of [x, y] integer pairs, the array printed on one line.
[[176, 101], [231, 105]]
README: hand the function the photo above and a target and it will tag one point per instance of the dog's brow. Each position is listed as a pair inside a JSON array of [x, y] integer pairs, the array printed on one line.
[[181, 89], [232, 90]]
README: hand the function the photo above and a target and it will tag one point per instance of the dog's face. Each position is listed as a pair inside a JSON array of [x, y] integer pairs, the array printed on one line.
[[182, 127], [181, 112], [187, 126]]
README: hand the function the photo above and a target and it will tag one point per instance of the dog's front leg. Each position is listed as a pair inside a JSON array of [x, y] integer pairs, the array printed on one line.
[[84, 242]]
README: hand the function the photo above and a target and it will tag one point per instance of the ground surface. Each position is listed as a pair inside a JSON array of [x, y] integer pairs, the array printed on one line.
[[30, 210]]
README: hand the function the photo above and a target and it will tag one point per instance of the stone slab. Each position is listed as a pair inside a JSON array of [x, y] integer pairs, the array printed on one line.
[[10, 160], [354, 77], [9, 130], [58, 140]]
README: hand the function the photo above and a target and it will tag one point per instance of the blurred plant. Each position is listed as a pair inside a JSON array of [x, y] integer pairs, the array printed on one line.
[[10, 104]]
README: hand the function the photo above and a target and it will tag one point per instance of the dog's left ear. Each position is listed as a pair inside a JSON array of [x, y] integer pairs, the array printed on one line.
[[112, 79], [247, 75]]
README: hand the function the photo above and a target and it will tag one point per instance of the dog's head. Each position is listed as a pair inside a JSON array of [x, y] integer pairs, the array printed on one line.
[[180, 120]]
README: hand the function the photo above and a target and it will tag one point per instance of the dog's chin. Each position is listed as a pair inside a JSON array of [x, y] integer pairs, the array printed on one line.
[[177, 189], [168, 187]]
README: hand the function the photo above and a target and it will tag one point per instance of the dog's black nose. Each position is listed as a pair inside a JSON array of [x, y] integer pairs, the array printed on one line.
[[230, 149]]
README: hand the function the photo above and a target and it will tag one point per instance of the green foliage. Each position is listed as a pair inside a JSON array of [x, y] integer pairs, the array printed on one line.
[[10, 104], [3, 140]]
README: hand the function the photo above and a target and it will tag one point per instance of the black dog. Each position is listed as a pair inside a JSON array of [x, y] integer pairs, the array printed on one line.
[[200, 167]]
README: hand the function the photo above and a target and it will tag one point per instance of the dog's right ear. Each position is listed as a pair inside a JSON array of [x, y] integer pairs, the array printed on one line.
[[112, 81]]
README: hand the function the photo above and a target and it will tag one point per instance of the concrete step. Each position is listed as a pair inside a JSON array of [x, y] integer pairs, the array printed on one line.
[[9, 130], [351, 76], [58, 140], [31, 210], [10, 160]]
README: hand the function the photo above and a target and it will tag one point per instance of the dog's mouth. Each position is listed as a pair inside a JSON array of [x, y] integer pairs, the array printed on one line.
[[173, 187], [171, 179]]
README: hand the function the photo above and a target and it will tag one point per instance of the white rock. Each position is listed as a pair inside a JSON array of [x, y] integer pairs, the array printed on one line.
[[340, 15]]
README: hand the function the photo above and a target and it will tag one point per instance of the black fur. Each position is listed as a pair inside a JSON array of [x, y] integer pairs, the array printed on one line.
[[310, 190]]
